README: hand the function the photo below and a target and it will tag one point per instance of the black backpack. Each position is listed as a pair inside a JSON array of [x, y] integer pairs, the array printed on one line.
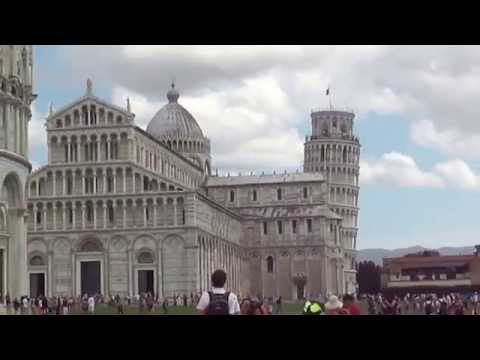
[[218, 304]]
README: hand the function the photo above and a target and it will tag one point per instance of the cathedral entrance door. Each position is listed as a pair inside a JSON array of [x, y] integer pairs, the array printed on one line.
[[37, 284], [90, 277], [145, 281]]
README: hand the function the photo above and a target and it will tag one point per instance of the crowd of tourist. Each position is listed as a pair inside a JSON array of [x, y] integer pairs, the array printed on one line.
[[219, 301], [427, 304]]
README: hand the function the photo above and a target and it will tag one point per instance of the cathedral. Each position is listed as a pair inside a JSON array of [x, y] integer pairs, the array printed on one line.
[[122, 210]]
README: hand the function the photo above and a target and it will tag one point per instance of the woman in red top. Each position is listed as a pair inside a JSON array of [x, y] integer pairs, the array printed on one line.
[[350, 305]]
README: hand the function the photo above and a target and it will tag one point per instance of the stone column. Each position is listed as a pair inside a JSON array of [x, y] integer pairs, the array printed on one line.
[[45, 216], [54, 180], [114, 181], [104, 181], [19, 247], [94, 207], [114, 207], [64, 183], [107, 155], [83, 183], [83, 215], [95, 187], [174, 211], [124, 214], [50, 274], [34, 217], [130, 270], [63, 216], [54, 209], [74, 215], [155, 212], [124, 174], [144, 206], [68, 151], [105, 215]]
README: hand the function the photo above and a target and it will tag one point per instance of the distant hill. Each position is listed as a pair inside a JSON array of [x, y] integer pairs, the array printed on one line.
[[377, 255]]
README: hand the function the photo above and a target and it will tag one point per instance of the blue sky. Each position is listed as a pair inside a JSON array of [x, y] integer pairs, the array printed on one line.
[[415, 107]]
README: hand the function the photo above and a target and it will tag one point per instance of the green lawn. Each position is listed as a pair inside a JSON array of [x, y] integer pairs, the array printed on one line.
[[288, 309]]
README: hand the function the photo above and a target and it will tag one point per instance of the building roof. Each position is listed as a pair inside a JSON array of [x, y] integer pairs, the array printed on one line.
[[264, 179], [430, 260], [173, 121]]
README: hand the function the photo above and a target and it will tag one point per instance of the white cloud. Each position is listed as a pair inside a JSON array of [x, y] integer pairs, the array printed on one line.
[[398, 170], [401, 170], [450, 141], [433, 86], [252, 127], [458, 174]]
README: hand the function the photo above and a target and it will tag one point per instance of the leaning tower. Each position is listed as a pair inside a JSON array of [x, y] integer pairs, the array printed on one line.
[[15, 99], [333, 150]]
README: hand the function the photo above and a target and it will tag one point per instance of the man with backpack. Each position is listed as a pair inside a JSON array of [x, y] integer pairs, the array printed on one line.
[[218, 301]]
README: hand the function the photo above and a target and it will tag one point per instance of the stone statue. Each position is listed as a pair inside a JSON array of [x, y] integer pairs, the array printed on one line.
[[89, 87]]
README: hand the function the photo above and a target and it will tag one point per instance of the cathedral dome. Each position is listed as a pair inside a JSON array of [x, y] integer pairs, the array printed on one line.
[[173, 121]]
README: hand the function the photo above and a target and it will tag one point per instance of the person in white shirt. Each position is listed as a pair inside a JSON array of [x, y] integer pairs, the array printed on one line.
[[218, 301], [91, 304]]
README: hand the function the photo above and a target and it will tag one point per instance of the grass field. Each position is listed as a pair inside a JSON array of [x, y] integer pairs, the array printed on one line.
[[288, 309]]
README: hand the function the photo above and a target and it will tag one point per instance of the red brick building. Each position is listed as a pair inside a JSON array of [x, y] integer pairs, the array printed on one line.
[[427, 273]]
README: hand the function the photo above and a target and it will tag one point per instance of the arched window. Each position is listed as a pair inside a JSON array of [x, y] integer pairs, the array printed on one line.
[[110, 214], [254, 196], [39, 217], [344, 155], [279, 194], [270, 264], [305, 192], [232, 196], [89, 212], [280, 227]]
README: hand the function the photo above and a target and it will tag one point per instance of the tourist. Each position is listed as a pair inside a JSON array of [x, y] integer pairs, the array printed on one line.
[[9, 303], [185, 300], [372, 306], [16, 306], [475, 301], [428, 306], [119, 305], [165, 306], [141, 303], [278, 307], [25, 305], [37, 306], [64, 306], [245, 306], [149, 302], [313, 308], [333, 306], [218, 301], [457, 308], [91, 305], [443, 307], [257, 307], [350, 304]]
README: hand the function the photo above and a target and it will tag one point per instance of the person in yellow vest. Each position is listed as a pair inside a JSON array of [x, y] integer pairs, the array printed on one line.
[[312, 308]]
